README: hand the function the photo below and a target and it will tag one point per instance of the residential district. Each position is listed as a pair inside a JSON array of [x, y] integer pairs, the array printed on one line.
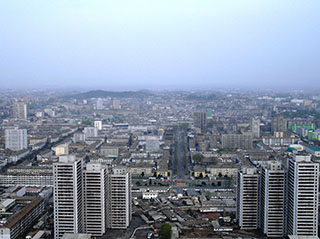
[[143, 164]]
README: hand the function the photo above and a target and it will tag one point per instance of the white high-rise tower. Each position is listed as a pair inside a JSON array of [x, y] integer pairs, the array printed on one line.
[[68, 198], [119, 209], [247, 198], [272, 199], [94, 178], [255, 127], [302, 196]]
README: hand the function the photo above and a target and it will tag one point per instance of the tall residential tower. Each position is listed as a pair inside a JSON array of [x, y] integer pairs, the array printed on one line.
[[68, 198], [247, 198], [272, 201], [94, 178], [119, 210], [302, 196]]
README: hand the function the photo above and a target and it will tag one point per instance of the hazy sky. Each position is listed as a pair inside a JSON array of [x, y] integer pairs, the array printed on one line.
[[121, 44]]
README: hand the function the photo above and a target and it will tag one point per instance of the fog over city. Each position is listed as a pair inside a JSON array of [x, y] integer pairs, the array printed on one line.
[[182, 44]]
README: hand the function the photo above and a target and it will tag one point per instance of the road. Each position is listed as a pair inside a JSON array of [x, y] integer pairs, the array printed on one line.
[[145, 229], [180, 163]]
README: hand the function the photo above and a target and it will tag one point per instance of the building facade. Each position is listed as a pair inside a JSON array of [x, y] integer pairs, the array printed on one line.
[[247, 198], [90, 199], [19, 110], [200, 121], [16, 139], [68, 198], [90, 132], [255, 127], [302, 196], [272, 208], [119, 209], [280, 200], [242, 141], [94, 178], [98, 124], [18, 224], [279, 125]]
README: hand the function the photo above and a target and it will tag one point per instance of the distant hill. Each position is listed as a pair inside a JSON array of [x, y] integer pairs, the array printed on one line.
[[201, 97], [103, 94]]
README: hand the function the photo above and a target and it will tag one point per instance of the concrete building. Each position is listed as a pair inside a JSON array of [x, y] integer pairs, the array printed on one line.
[[19, 110], [241, 141], [90, 132], [98, 124], [109, 151], [89, 199], [279, 125], [200, 121], [94, 178], [119, 208], [62, 149], [302, 196], [78, 137], [272, 189], [17, 224], [255, 127], [247, 198], [26, 179], [16, 139], [99, 103], [152, 144], [68, 198], [116, 104]]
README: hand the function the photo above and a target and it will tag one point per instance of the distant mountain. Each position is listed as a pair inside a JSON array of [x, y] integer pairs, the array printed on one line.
[[103, 94]]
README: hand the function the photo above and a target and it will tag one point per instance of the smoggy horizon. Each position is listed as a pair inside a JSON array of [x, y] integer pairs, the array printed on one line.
[[159, 45]]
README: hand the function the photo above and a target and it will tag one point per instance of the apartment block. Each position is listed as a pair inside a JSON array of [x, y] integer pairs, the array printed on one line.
[[119, 209]]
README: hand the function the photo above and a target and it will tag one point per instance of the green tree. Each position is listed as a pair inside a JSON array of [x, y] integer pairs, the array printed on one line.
[[197, 158], [165, 231], [213, 160], [87, 122]]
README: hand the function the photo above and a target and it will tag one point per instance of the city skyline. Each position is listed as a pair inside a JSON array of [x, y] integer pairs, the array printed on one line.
[[159, 119]]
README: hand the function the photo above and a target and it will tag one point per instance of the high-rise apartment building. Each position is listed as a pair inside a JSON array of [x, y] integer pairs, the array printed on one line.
[[302, 196], [287, 196], [272, 207], [99, 105], [119, 209], [16, 139], [247, 198], [255, 127], [68, 196], [200, 121], [279, 125], [89, 199], [94, 178], [19, 110]]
